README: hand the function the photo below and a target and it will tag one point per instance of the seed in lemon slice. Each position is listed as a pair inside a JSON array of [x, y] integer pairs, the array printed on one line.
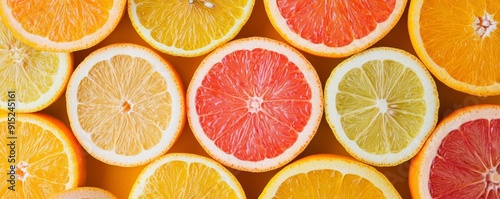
[[334, 28], [62, 26], [188, 28], [461, 158], [459, 42], [45, 156], [183, 175], [254, 104], [84, 193], [125, 104], [327, 175], [381, 105], [36, 77]]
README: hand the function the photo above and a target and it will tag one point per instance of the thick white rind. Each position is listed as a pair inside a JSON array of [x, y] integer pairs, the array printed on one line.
[[430, 97], [304, 137], [174, 88]]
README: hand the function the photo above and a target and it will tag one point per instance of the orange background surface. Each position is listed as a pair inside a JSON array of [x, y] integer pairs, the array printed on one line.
[[119, 180]]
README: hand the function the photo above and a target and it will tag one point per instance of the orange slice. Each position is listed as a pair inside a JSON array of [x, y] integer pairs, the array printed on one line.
[[188, 28], [381, 104], [182, 175], [62, 26], [42, 157], [461, 159], [327, 176], [84, 193], [254, 104], [125, 104], [459, 42], [336, 28], [37, 78]]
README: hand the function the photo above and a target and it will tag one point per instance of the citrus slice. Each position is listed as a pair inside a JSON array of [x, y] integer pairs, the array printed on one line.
[[188, 28], [381, 105], [326, 175], [337, 28], [254, 104], [84, 193], [38, 78], [461, 157], [183, 175], [125, 104], [42, 157], [62, 26], [459, 42]]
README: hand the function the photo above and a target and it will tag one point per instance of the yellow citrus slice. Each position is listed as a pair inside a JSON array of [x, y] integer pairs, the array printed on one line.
[[459, 42], [84, 193], [461, 158], [381, 105], [42, 157], [125, 104], [327, 176], [62, 26], [182, 175], [336, 28], [188, 28], [254, 104], [38, 78]]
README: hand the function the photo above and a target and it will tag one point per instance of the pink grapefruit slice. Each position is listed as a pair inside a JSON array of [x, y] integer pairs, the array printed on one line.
[[461, 158], [254, 104], [336, 28]]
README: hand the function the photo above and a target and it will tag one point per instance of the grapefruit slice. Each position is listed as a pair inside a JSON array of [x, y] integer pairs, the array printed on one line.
[[336, 28], [461, 158], [381, 104], [327, 175], [254, 104], [183, 175], [84, 193]]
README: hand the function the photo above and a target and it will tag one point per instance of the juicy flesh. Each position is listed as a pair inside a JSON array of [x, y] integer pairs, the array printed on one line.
[[467, 162], [335, 23], [253, 104], [189, 26], [381, 106], [451, 30], [325, 184], [40, 160], [34, 71], [61, 21], [179, 179], [124, 105]]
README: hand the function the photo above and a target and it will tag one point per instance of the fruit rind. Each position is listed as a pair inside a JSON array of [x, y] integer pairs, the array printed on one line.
[[333, 117]]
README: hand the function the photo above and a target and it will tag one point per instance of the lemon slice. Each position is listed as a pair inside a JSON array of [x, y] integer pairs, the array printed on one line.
[[381, 105]]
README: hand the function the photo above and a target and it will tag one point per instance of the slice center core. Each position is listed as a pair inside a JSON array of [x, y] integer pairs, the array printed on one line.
[[483, 26], [125, 107], [22, 171], [493, 177], [382, 105], [254, 104]]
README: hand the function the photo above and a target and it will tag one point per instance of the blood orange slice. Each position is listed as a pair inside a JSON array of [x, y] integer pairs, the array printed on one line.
[[254, 104], [461, 158], [335, 28]]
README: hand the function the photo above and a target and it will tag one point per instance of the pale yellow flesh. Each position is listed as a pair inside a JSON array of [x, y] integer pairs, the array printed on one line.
[[381, 106], [124, 105], [179, 179]]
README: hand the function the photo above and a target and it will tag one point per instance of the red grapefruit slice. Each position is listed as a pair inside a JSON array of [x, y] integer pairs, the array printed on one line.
[[336, 28], [461, 158], [254, 104]]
